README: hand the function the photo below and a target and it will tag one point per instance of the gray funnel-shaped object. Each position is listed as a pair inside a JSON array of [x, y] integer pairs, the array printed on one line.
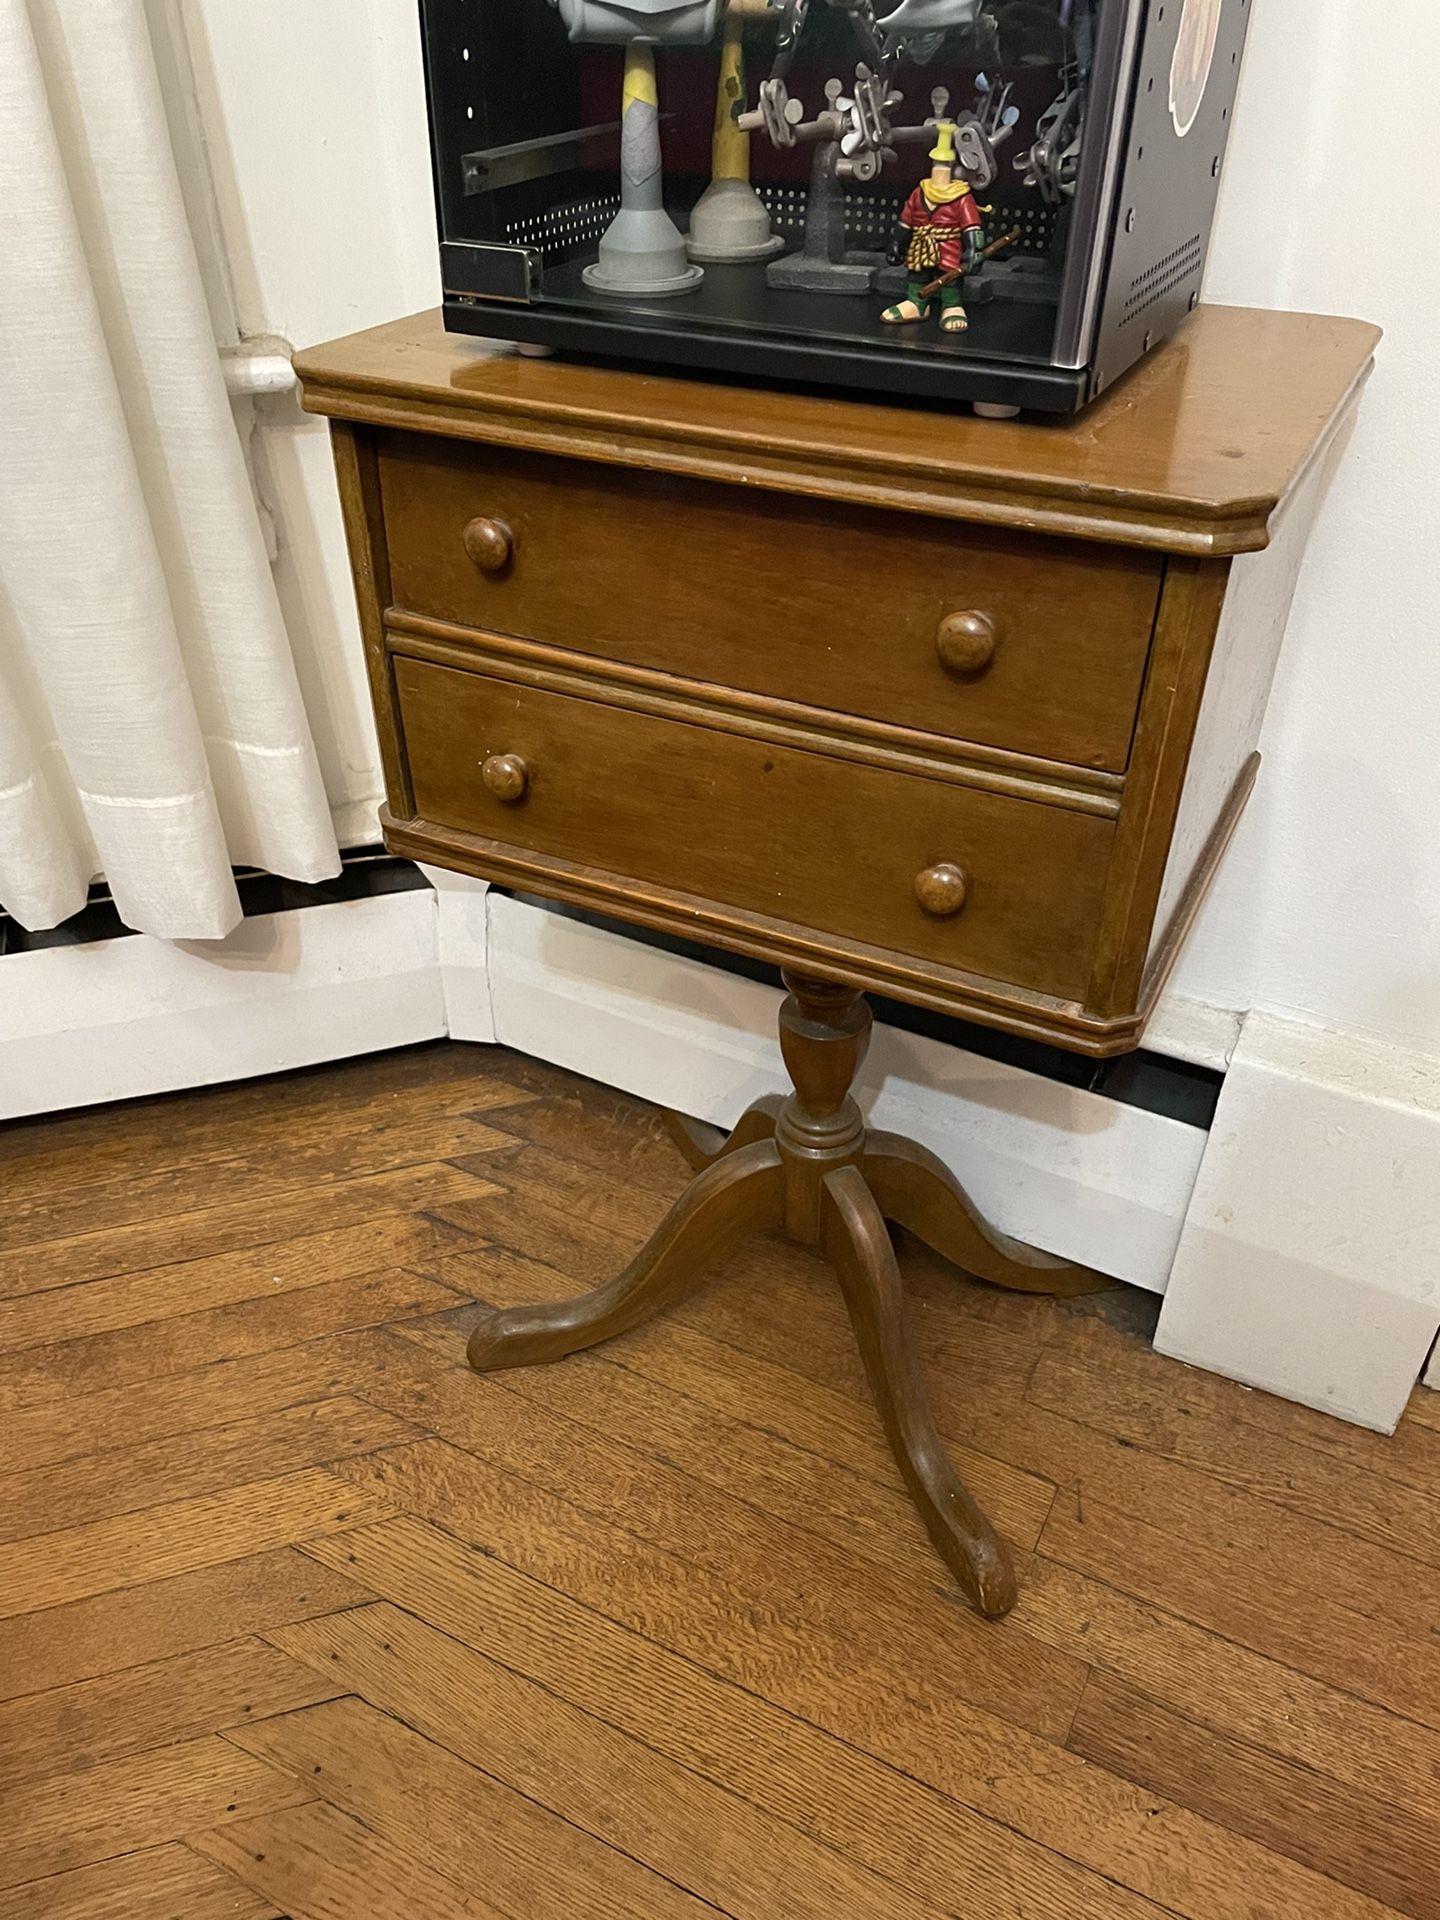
[[642, 252]]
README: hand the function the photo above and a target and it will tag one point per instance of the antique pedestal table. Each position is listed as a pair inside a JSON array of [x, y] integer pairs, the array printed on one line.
[[958, 710]]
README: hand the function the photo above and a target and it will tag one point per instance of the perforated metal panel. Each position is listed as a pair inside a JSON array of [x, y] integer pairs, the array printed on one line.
[[468, 48]]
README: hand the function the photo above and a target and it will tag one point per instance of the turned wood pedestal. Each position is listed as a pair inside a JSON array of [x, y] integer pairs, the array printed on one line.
[[959, 711], [807, 1166]]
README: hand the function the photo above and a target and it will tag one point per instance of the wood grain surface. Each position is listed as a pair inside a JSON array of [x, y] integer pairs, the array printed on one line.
[[762, 828], [1192, 453], [902, 700], [788, 603], [302, 1618]]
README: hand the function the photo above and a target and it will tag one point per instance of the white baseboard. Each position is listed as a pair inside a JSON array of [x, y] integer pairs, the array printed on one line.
[[1310, 1260], [1070, 1171], [463, 942], [120, 1018], [1299, 1240], [1181, 1029]]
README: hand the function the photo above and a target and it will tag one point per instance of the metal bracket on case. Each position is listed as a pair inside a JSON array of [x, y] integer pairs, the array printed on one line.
[[491, 168], [485, 270]]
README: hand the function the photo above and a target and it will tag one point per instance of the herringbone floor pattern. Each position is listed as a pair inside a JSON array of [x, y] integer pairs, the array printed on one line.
[[299, 1617]]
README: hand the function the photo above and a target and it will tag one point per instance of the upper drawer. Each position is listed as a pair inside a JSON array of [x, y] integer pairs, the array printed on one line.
[[836, 607]]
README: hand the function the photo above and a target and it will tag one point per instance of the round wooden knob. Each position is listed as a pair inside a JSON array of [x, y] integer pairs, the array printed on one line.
[[490, 544], [941, 890], [505, 775], [965, 642]]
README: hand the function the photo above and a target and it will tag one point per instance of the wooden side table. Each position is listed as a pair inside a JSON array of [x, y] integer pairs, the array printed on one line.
[[963, 711]]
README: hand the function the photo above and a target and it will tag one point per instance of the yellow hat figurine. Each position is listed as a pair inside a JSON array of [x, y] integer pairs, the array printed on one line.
[[939, 241]]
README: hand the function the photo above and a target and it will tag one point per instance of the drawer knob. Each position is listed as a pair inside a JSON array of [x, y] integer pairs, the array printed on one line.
[[965, 642], [505, 775], [490, 544], [941, 890]]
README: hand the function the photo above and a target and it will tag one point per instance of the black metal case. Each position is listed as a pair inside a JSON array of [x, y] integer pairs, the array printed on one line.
[[1092, 133]]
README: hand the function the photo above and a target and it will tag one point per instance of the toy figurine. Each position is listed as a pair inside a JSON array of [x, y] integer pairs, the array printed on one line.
[[942, 241]]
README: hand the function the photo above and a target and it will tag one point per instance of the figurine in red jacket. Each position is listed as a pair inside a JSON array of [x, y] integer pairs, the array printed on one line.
[[943, 241]]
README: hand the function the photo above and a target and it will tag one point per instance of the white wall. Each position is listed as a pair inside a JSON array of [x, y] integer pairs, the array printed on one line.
[[1330, 904]]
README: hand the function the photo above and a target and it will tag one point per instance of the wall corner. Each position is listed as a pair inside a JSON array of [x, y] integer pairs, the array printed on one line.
[[463, 932], [1309, 1260]]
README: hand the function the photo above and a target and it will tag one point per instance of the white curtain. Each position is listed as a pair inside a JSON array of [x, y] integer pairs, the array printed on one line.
[[151, 726]]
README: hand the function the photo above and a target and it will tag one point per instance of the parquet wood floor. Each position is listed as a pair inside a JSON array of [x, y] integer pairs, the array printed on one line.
[[299, 1617]]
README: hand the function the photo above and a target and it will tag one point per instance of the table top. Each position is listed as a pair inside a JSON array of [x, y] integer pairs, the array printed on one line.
[[1195, 451]]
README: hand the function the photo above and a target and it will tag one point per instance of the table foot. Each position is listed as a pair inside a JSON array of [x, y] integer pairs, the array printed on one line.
[[703, 1145], [740, 1194], [855, 1241], [917, 1191]]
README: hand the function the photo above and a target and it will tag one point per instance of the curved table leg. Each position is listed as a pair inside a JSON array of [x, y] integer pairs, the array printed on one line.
[[919, 1192], [854, 1239], [740, 1194], [703, 1145]]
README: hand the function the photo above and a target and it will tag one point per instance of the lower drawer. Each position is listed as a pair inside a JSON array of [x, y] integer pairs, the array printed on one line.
[[868, 853]]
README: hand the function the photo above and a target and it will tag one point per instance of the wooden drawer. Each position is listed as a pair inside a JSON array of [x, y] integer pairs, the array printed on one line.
[[800, 600], [761, 828]]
